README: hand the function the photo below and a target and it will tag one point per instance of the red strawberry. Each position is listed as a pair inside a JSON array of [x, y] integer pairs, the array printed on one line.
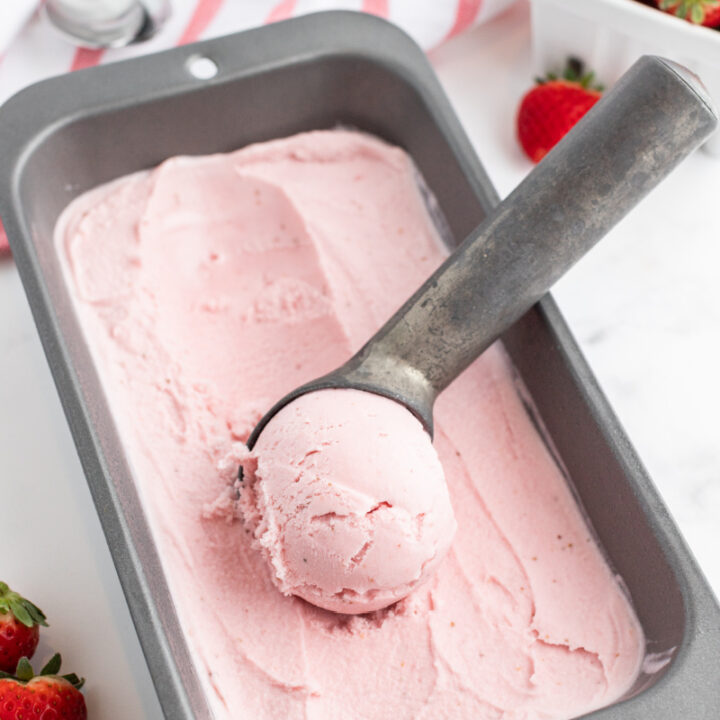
[[20, 622], [551, 109], [700, 12], [4, 244], [47, 696]]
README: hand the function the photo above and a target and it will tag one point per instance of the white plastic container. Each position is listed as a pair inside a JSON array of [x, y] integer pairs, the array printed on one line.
[[609, 35]]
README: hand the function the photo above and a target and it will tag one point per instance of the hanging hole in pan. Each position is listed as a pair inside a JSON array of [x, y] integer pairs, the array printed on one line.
[[201, 67]]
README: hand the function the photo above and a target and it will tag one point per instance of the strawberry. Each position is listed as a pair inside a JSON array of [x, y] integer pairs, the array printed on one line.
[[20, 622], [47, 696], [699, 12], [4, 244], [551, 109]]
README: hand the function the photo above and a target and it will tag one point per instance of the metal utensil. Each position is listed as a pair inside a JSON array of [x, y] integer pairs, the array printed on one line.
[[653, 118], [107, 23]]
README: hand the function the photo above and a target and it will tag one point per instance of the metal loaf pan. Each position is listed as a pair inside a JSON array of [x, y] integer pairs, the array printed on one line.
[[66, 135]]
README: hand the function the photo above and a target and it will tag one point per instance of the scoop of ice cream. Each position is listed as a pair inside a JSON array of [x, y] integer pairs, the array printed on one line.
[[348, 500]]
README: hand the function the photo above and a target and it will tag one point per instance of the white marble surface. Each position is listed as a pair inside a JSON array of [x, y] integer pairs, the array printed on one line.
[[645, 306]]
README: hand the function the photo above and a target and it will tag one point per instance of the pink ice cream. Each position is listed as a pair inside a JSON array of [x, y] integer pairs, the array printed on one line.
[[348, 500], [210, 287]]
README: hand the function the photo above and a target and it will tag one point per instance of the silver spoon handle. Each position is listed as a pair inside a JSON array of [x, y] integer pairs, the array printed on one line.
[[634, 136]]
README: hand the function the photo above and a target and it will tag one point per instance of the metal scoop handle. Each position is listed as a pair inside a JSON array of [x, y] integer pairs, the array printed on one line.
[[634, 136]]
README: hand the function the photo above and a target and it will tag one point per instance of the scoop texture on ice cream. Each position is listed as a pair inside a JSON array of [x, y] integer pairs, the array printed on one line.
[[349, 500], [208, 288]]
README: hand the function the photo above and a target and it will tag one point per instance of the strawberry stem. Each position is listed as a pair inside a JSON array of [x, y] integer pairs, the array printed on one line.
[[574, 72]]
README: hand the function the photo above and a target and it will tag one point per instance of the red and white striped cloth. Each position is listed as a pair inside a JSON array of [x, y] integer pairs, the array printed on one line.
[[30, 50]]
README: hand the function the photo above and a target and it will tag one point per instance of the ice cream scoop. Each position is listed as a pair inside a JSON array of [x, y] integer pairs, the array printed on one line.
[[364, 463], [350, 526]]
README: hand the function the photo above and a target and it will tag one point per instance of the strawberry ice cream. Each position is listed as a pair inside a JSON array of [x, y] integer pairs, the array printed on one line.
[[348, 500], [210, 287]]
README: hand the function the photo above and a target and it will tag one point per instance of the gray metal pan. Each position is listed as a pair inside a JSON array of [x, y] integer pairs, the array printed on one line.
[[66, 135]]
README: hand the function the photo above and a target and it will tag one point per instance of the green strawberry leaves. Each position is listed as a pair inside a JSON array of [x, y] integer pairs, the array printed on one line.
[[20, 613], [74, 680], [693, 10], [52, 666], [574, 72], [24, 672], [22, 610]]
